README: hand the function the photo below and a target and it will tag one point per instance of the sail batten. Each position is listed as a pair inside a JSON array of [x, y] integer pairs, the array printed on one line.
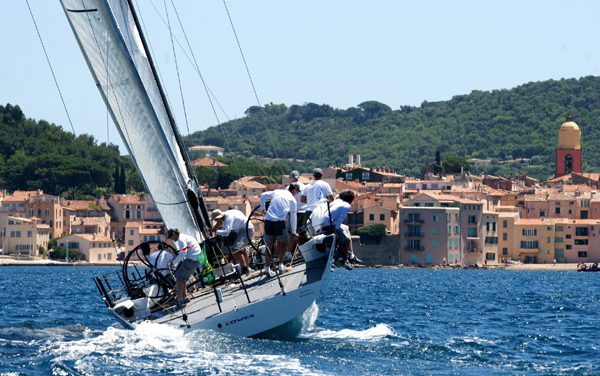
[[113, 48]]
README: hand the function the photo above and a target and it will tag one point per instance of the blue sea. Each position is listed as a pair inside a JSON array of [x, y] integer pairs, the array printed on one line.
[[370, 322]]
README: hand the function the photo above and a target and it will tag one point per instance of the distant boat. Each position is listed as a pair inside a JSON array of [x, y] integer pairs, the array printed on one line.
[[112, 42]]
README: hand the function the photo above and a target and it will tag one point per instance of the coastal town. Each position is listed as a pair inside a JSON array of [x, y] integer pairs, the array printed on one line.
[[458, 220]]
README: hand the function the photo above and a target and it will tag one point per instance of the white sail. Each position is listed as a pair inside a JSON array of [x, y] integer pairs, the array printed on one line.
[[113, 48]]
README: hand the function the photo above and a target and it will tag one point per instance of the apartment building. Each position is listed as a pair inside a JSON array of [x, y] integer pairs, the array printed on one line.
[[430, 235], [23, 236], [125, 208], [94, 248]]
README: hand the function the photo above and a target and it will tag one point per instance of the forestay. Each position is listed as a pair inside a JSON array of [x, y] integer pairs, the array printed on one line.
[[113, 48]]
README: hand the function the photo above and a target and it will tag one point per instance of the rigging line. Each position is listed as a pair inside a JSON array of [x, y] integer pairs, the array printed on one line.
[[207, 92], [210, 95], [177, 67], [251, 80], [62, 99]]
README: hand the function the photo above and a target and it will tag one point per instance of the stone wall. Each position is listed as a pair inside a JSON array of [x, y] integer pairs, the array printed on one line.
[[385, 253]]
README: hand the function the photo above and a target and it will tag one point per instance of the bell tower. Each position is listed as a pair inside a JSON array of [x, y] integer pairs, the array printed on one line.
[[568, 153]]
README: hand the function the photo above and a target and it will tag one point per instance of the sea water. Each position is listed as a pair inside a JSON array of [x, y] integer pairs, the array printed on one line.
[[370, 322]]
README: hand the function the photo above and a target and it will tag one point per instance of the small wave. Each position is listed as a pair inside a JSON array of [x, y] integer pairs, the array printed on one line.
[[152, 348], [377, 332]]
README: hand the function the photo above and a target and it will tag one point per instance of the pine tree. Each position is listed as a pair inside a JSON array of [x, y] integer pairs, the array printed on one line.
[[122, 181]]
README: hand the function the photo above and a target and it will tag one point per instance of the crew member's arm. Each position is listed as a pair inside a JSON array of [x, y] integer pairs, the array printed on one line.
[[293, 216], [264, 198], [227, 226]]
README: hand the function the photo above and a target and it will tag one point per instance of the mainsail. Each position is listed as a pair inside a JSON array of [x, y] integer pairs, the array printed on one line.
[[113, 46]]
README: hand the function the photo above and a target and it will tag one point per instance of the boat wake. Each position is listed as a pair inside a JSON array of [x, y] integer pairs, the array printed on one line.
[[152, 348], [377, 332]]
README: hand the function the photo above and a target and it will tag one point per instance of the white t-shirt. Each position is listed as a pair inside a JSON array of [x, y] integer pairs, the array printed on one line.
[[320, 216], [301, 205], [236, 221], [316, 193], [187, 247], [282, 204], [160, 260]]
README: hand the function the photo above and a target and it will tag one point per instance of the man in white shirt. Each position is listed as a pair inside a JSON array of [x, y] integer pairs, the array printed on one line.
[[316, 192], [282, 209], [234, 221], [302, 217], [186, 261], [331, 216]]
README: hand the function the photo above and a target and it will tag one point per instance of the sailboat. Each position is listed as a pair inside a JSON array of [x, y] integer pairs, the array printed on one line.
[[110, 37]]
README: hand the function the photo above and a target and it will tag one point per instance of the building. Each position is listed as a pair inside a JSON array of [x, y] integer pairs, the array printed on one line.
[[430, 235], [125, 208], [568, 153], [207, 150], [23, 236], [93, 248], [207, 162], [91, 225], [137, 232], [379, 175]]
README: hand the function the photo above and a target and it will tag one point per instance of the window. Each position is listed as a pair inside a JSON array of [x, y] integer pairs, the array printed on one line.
[[581, 241], [560, 228], [349, 176], [581, 231], [414, 217], [434, 230], [99, 257], [491, 240], [558, 239], [365, 176], [557, 210], [529, 232], [582, 254], [435, 243], [472, 232], [494, 226], [472, 219], [504, 236], [504, 251], [29, 234], [382, 217], [17, 234], [436, 218], [542, 213], [131, 232], [130, 242], [559, 253], [505, 223], [371, 217], [569, 246], [583, 214], [109, 256], [487, 227], [31, 212], [529, 244], [456, 230], [490, 256], [568, 236]]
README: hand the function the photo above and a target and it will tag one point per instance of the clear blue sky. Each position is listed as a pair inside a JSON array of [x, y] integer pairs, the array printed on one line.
[[339, 52]]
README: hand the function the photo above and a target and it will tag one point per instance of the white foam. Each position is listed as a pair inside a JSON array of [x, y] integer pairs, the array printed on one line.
[[156, 347], [377, 332]]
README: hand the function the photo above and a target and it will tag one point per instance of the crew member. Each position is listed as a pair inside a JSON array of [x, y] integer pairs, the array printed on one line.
[[186, 261], [234, 221]]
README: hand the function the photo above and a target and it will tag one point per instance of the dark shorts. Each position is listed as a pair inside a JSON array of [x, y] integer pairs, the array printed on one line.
[[185, 269], [302, 218], [275, 230]]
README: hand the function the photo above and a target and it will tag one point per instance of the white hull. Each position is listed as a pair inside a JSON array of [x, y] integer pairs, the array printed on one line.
[[266, 307]]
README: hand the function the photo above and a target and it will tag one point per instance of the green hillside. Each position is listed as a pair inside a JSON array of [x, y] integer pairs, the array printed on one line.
[[39, 155], [500, 125]]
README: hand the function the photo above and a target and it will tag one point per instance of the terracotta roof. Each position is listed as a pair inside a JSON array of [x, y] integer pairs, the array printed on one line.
[[208, 162], [93, 237], [123, 199], [85, 204], [89, 221], [22, 195]]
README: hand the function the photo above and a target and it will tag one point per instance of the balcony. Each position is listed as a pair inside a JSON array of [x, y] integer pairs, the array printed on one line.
[[414, 248], [414, 221], [414, 234]]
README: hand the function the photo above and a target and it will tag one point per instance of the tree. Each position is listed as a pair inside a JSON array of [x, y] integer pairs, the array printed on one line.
[[438, 168], [122, 181], [454, 164]]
